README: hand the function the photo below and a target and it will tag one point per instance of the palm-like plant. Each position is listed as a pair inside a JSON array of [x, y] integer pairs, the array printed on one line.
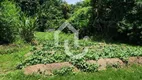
[[27, 28]]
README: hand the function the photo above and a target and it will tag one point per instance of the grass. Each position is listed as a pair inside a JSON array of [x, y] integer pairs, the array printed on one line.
[[128, 73], [49, 36], [9, 61], [11, 56]]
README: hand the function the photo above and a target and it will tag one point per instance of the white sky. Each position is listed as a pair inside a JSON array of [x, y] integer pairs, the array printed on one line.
[[72, 1]]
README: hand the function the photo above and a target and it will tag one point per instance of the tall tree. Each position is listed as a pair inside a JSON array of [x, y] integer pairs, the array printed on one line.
[[65, 10], [106, 14], [29, 7], [50, 14]]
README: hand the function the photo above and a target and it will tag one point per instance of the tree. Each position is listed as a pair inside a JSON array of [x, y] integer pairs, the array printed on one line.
[[50, 15], [130, 28], [29, 7], [65, 10], [107, 14]]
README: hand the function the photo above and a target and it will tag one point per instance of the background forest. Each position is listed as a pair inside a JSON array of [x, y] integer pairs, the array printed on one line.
[[119, 20]]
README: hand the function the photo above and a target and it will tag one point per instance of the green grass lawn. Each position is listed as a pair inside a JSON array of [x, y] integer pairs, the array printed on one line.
[[11, 58], [128, 73], [9, 61]]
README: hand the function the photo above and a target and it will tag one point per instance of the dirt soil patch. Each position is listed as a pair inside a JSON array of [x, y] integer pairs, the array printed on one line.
[[103, 64], [135, 60], [48, 68]]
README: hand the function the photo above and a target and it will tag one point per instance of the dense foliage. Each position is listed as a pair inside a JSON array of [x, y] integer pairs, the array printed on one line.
[[29, 7], [80, 20], [14, 24], [113, 17], [119, 20], [50, 15], [131, 25], [9, 19]]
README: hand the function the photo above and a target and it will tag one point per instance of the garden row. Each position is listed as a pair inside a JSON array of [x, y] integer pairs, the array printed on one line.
[[45, 52]]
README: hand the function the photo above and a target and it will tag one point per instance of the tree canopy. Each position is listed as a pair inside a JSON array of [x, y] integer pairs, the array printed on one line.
[[117, 19]]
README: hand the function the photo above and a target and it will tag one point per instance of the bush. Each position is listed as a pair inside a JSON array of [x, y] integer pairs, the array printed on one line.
[[27, 28], [9, 17]]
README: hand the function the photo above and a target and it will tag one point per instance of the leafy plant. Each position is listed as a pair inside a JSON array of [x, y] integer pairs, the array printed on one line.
[[63, 71], [9, 19], [82, 65], [27, 28], [48, 53]]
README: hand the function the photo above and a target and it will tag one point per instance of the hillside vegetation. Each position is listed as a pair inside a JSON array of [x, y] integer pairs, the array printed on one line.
[[27, 39]]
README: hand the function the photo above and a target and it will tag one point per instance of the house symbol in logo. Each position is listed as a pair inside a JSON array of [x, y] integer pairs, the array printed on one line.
[[76, 39]]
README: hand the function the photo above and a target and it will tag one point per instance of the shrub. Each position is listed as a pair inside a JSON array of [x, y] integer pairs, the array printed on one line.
[[27, 28], [9, 17]]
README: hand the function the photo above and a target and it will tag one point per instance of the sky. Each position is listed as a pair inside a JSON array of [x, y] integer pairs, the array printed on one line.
[[72, 1]]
